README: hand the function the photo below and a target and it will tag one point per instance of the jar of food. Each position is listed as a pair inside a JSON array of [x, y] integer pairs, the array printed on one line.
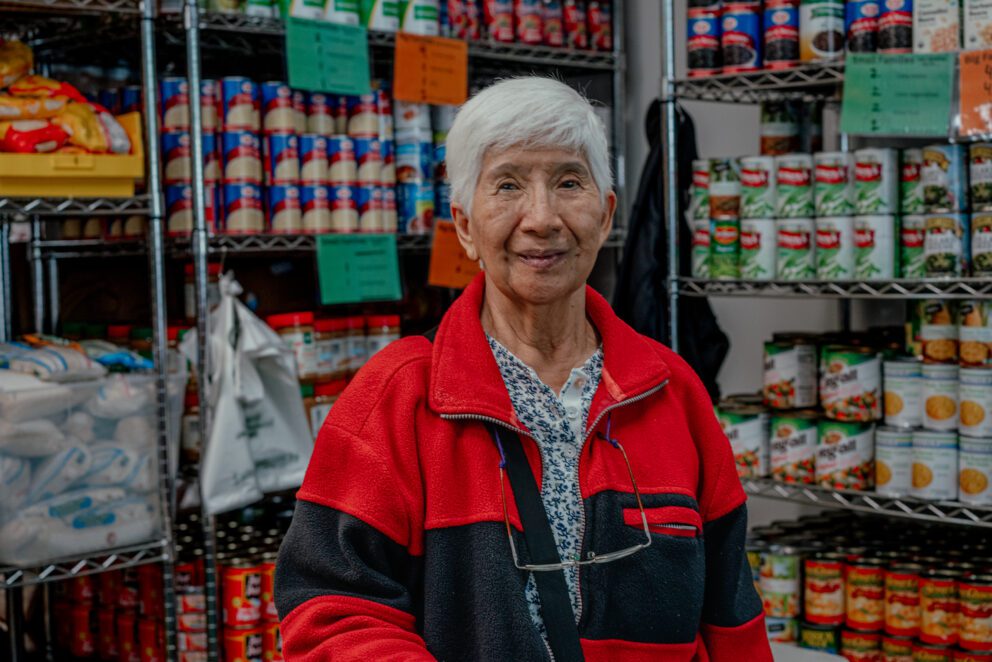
[[382, 330], [143, 341], [296, 330], [119, 334], [325, 395], [189, 290], [356, 344], [330, 335]]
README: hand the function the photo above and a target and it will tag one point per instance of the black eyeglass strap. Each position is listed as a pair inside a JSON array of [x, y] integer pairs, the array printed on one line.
[[556, 605]]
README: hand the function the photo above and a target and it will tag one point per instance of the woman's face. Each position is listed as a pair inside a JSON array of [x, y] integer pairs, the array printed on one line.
[[537, 222]]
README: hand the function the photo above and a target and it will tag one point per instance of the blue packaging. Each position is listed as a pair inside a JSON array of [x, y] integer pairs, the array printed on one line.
[[282, 158], [861, 25], [741, 38], [415, 208], [131, 99]]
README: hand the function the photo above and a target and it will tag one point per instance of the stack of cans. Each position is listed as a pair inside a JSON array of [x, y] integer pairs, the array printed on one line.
[[414, 167]]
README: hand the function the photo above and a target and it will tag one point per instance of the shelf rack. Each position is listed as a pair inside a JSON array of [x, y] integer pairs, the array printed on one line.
[[928, 288], [26, 207], [74, 6], [946, 512], [752, 87], [70, 567]]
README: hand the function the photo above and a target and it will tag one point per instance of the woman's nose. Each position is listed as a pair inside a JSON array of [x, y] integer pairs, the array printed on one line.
[[541, 215]]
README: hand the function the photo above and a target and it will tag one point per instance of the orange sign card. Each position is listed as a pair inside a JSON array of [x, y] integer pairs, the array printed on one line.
[[430, 69], [976, 92], [450, 266]]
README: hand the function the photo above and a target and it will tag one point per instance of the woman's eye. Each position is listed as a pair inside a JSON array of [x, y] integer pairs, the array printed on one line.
[[507, 186], [570, 184]]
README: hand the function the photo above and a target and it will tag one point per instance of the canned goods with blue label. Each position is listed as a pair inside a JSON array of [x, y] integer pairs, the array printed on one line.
[[414, 160], [243, 208], [239, 104], [321, 109], [415, 202], [740, 38], [282, 158], [316, 207], [368, 197], [277, 107], [176, 156], [344, 209], [363, 116], [369, 157], [313, 159], [209, 105], [389, 216], [132, 99], [341, 156], [388, 149], [781, 34], [242, 156], [285, 212], [174, 103], [861, 23], [178, 209], [111, 100]]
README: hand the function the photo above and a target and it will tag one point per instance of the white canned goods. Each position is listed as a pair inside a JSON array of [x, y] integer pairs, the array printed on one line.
[[243, 209], [699, 203], [821, 30], [278, 115], [316, 207], [975, 471], [945, 181], [844, 455], [793, 440], [903, 393], [935, 465], [938, 331], [911, 182], [875, 253], [981, 244], [893, 461], [383, 15], [940, 396], [746, 427], [974, 334], [876, 173], [789, 374], [975, 402], [724, 189], [833, 188], [851, 383], [419, 17], [757, 186], [794, 185], [912, 235], [980, 176], [835, 248], [758, 248], [242, 156], [240, 104], [342, 12], [795, 257], [700, 248], [947, 244], [311, 9]]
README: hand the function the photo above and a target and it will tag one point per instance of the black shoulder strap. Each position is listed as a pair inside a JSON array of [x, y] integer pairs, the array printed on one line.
[[556, 605], [430, 334]]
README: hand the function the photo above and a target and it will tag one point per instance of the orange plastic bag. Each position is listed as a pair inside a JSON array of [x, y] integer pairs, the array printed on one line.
[[39, 86], [93, 129], [16, 60], [31, 136]]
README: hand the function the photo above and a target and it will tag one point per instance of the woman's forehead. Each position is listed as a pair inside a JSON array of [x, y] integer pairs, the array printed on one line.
[[527, 158]]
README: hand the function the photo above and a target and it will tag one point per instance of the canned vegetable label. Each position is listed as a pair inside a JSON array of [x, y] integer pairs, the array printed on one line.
[[757, 186], [834, 186], [935, 465], [875, 247], [865, 596], [724, 189], [876, 181], [975, 397], [944, 178], [819, 638], [897, 649], [938, 331], [912, 235], [903, 384], [835, 248], [703, 42], [781, 630], [844, 455], [789, 375], [850, 384], [725, 248], [940, 397], [700, 203], [701, 248], [981, 244], [779, 127], [910, 183], [824, 591], [747, 430], [794, 257], [938, 608], [975, 623], [893, 462], [821, 25], [794, 185], [902, 600], [793, 449], [741, 38], [780, 582], [975, 464], [946, 247], [980, 176], [758, 249]]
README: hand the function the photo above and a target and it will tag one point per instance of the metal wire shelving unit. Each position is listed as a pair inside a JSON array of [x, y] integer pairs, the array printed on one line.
[[928, 288]]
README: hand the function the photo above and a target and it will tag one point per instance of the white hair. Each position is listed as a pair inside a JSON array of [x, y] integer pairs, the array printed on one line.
[[530, 111]]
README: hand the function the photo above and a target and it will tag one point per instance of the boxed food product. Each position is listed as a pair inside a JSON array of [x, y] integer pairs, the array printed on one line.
[[936, 26], [977, 24]]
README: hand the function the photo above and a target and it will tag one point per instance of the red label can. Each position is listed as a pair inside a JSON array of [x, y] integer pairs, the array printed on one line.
[[272, 643], [243, 645], [552, 23], [938, 607], [971, 656], [242, 594], [150, 602], [127, 594], [824, 589], [82, 589], [902, 599], [127, 642], [151, 643], [528, 15], [859, 646], [106, 588], [574, 16], [975, 622], [600, 25], [923, 652], [268, 569], [106, 645], [499, 20], [865, 594]]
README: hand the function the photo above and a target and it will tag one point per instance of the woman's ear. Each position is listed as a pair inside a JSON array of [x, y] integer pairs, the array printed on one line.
[[460, 219]]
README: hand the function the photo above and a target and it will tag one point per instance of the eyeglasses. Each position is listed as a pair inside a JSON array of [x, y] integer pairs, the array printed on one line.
[[593, 558]]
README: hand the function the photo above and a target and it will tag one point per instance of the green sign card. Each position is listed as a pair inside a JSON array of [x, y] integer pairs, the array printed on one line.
[[897, 95], [352, 268], [327, 57]]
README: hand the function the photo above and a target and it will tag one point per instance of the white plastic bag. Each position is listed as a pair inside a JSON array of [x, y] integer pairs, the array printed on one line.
[[259, 439]]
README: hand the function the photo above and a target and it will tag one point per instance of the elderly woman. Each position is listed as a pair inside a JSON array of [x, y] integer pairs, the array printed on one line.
[[536, 481]]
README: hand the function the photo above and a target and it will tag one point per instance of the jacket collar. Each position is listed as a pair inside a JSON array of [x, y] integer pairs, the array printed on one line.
[[465, 379]]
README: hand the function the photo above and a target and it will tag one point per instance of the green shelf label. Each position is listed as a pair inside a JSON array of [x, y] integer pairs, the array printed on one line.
[[327, 57], [354, 268]]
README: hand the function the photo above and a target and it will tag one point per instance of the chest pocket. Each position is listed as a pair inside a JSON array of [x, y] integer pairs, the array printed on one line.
[[666, 520]]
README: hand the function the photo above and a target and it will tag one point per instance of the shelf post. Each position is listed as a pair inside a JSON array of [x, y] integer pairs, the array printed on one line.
[[37, 277], [5, 280], [669, 165]]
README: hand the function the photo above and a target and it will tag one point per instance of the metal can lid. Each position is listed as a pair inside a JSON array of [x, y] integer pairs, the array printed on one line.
[[934, 573], [829, 556], [979, 579], [906, 567], [869, 562]]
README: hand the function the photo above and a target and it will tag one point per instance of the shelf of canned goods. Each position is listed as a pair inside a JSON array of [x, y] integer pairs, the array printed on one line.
[[89, 6], [964, 288], [105, 561], [74, 206], [948, 512], [809, 80]]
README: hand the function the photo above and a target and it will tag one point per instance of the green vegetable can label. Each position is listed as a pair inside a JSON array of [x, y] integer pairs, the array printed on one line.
[[746, 428], [758, 249], [794, 185], [381, 14], [981, 244], [835, 248], [725, 247], [793, 448], [757, 186], [794, 255], [945, 182], [789, 375], [844, 455], [947, 245], [910, 182], [699, 203], [980, 175], [833, 187], [876, 181], [875, 251], [701, 248], [912, 232]]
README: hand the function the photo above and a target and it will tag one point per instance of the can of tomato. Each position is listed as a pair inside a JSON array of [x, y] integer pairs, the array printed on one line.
[[902, 599], [272, 643], [823, 586], [860, 646], [975, 616], [851, 383], [938, 606], [790, 374], [844, 455], [793, 447], [897, 649], [242, 593], [780, 572], [244, 644], [864, 594]]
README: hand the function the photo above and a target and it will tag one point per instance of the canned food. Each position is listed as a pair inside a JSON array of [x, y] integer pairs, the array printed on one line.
[[701, 248], [150, 599], [947, 245], [239, 104], [860, 646], [277, 107], [893, 461], [912, 235], [282, 159], [833, 190], [241, 594], [910, 182], [313, 159], [944, 178], [272, 643], [316, 206], [940, 397], [127, 640], [724, 189], [793, 441], [779, 127], [980, 176], [895, 27], [285, 211], [132, 98], [528, 20], [902, 599], [972, 656], [975, 466], [781, 33], [151, 640], [243, 210], [981, 244], [938, 606], [794, 185], [938, 331], [794, 256], [369, 158], [368, 197], [824, 588], [498, 15], [363, 116], [923, 652], [824, 638], [821, 30], [975, 615], [388, 176], [192, 622], [442, 119], [242, 156], [861, 20], [835, 248], [414, 160], [864, 594], [746, 428], [725, 248], [179, 209], [758, 248], [343, 205], [174, 104], [299, 112], [321, 111], [844, 455], [851, 383], [935, 465], [342, 159], [975, 398], [782, 630], [243, 645], [903, 396], [108, 583], [389, 216], [416, 208], [897, 649], [574, 15], [383, 16], [699, 203], [191, 601], [877, 182], [875, 251], [790, 375], [551, 19], [600, 25], [780, 581], [421, 17], [106, 643], [757, 183]]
